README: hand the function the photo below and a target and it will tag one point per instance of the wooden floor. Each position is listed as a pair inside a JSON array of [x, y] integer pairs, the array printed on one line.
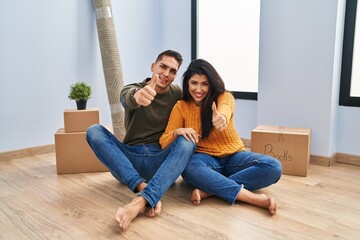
[[36, 203]]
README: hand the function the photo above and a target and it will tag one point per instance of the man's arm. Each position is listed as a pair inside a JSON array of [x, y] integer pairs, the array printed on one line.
[[134, 95], [127, 96]]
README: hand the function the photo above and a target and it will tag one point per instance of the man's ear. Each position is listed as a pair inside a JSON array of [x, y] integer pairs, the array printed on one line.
[[152, 67]]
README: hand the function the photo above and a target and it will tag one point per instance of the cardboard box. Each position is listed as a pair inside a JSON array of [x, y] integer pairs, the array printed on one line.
[[291, 146], [80, 120], [74, 155]]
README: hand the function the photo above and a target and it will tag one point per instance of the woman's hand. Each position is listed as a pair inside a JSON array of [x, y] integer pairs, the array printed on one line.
[[188, 133], [218, 119]]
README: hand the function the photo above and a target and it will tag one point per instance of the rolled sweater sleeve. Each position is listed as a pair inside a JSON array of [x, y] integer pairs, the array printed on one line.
[[176, 120], [226, 104]]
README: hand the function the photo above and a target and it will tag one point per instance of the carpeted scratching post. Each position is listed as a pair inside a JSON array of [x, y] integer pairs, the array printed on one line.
[[111, 63]]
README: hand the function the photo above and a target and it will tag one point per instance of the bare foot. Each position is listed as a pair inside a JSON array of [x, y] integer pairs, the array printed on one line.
[[272, 205], [197, 195], [124, 215], [267, 202], [152, 212], [260, 200]]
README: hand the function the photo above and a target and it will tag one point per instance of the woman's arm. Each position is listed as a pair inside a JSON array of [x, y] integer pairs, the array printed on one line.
[[176, 127], [176, 121], [226, 105]]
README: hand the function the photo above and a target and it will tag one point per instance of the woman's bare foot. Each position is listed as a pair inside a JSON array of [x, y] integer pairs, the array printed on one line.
[[266, 202], [260, 200], [272, 205], [197, 195], [152, 212], [124, 215]]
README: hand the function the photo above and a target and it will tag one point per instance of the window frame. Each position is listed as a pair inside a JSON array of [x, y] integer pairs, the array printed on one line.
[[194, 43], [345, 99]]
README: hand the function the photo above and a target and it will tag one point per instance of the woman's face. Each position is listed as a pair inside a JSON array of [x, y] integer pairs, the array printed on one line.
[[198, 87]]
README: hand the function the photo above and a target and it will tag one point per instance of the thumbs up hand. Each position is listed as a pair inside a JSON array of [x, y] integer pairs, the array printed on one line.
[[153, 81], [146, 95], [218, 119]]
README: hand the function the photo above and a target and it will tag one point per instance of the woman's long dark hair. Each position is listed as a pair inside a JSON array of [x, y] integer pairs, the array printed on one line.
[[216, 87]]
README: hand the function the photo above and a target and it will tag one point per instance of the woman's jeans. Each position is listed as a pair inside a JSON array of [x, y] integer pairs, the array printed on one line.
[[133, 165], [225, 177]]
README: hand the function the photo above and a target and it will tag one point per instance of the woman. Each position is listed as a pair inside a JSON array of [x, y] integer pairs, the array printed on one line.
[[220, 165]]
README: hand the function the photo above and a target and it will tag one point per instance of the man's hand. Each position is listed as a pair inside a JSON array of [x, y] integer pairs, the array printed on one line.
[[218, 119], [146, 95]]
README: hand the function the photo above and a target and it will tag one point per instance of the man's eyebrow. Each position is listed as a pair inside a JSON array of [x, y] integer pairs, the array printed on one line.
[[163, 64]]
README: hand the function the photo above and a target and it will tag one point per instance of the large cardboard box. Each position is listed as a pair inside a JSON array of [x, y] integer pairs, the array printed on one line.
[[80, 120], [291, 146], [74, 155]]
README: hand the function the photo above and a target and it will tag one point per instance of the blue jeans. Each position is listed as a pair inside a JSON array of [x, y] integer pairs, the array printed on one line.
[[225, 177], [133, 165]]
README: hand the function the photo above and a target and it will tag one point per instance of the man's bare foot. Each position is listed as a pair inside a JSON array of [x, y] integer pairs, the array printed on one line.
[[124, 215], [152, 212], [197, 195]]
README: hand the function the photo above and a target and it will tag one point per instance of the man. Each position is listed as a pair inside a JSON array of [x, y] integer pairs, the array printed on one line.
[[138, 161]]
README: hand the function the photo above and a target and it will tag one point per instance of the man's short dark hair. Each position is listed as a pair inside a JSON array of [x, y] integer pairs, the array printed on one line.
[[171, 53]]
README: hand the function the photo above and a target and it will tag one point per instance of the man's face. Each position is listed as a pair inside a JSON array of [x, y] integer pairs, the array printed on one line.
[[167, 69]]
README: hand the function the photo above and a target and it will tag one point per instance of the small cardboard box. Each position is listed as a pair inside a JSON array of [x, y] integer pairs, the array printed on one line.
[[291, 146], [74, 155], [80, 120]]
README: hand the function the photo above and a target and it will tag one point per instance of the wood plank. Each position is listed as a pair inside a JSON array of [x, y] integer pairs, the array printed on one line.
[[348, 158], [26, 152], [36, 203]]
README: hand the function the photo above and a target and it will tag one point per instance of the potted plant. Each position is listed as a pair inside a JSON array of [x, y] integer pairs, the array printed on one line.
[[80, 92]]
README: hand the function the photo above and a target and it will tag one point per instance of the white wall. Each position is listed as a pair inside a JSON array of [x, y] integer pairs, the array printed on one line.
[[174, 27], [300, 66], [39, 58], [349, 130], [297, 66], [43, 52], [47, 45]]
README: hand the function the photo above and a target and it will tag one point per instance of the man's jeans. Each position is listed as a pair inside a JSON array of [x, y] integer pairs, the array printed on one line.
[[133, 165], [225, 177]]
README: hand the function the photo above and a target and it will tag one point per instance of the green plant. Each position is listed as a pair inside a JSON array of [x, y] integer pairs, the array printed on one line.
[[80, 91]]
